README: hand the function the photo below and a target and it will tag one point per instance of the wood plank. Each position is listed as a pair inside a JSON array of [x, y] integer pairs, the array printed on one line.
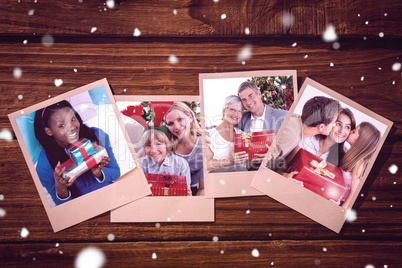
[[352, 253], [201, 18]]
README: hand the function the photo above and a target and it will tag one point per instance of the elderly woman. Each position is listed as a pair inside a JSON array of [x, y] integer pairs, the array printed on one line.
[[220, 155]]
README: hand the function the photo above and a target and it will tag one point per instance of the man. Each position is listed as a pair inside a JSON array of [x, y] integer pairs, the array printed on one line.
[[259, 116]]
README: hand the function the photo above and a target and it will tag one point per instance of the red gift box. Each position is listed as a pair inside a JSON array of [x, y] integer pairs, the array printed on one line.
[[167, 185], [317, 175], [254, 142]]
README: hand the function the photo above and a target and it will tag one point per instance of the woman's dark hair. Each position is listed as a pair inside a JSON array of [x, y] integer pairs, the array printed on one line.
[[53, 151]]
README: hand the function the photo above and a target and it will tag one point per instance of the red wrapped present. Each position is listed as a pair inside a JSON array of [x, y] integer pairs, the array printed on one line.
[[167, 185], [317, 175], [254, 142], [73, 170]]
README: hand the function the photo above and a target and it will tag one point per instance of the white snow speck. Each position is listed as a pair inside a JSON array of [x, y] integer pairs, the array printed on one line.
[[361, 195], [268, 180], [243, 62], [222, 251], [75, 70], [385, 14], [317, 262], [305, 56], [90, 257], [223, 16], [1, 197], [57, 245], [374, 198], [367, 22], [329, 34], [93, 29], [154, 256], [362, 78], [20, 97], [322, 189], [385, 266], [243, 191], [381, 34], [60, 252], [222, 182], [255, 253], [22, 112], [124, 90], [393, 169], [110, 3], [363, 231], [396, 66], [393, 82], [245, 53], [157, 225], [336, 45], [270, 234], [287, 19], [379, 68], [391, 206], [169, 219], [110, 237], [25, 42], [369, 266], [47, 40], [58, 82], [331, 64], [136, 32], [31, 12], [2, 213], [247, 211], [324, 249], [364, 37], [17, 72], [352, 216], [272, 263], [294, 44], [6, 134], [173, 59], [215, 238], [24, 232], [247, 30], [174, 12], [216, 1], [358, 15]]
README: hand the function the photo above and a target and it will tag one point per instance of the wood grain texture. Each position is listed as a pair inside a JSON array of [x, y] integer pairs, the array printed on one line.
[[203, 42]]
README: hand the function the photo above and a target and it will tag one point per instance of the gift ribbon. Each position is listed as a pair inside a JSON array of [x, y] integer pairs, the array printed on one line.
[[319, 168], [85, 150], [246, 137]]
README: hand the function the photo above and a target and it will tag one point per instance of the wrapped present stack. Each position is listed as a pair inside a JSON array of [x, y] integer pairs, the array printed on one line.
[[167, 185], [83, 156], [254, 143], [317, 175]]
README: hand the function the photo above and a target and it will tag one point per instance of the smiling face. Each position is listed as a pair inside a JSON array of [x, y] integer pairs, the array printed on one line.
[[251, 100], [156, 150], [233, 114], [178, 123], [64, 127], [340, 132], [354, 135]]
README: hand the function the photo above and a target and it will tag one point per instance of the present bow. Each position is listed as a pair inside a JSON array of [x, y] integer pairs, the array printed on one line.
[[246, 137], [167, 179], [319, 168]]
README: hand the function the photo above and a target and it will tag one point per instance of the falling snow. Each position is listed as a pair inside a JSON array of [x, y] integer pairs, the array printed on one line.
[[248, 211], [75, 70], [216, 1], [215, 239], [90, 257], [173, 59], [25, 42], [2, 213], [58, 82], [47, 40], [222, 182], [247, 30], [110, 237], [396, 66], [393, 169], [20, 97], [24, 232], [369, 266], [336, 45], [17, 72], [31, 12], [243, 62], [154, 256], [255, 253], [374, 198], [352, 216], [381, 34], [329, 34], [294, 44], [367, 22], [305, 56], [223, 16], [363, 231], [324, 249], [245, 54], [331, 64], [1, 197], [110, 3], [157, 225], [6, 134], [222, 251], [243, 191], [136, 32], [57, 245], [174, 12], [93, 29], [362, 78], [287, 20]]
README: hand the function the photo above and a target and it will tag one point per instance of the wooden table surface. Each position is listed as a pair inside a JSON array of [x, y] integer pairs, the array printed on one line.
[[206, 37]]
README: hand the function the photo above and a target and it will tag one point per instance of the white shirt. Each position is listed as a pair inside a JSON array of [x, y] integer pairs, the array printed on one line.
[[257, 123], [312, 145]]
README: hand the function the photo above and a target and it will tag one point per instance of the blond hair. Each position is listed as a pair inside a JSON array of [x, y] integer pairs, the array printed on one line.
[[159, 135], [195, 128], [363, 148]]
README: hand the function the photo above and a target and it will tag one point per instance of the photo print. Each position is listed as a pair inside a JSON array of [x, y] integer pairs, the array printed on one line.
[[165, 133], [322, 155], [242, 113], [78, 155]]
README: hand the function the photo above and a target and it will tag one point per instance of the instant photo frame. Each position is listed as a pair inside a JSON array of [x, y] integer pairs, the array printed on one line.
[[214, 88], [96, 106], [295, 196], [160, 208]]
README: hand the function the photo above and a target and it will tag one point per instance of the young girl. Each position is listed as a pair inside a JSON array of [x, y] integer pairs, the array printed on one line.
[[56, 127], [186, 135], [159, 158], [364, 140]]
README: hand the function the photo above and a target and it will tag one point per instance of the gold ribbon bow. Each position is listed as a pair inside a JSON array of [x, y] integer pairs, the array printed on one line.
[[246, 137], [319, 168]]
